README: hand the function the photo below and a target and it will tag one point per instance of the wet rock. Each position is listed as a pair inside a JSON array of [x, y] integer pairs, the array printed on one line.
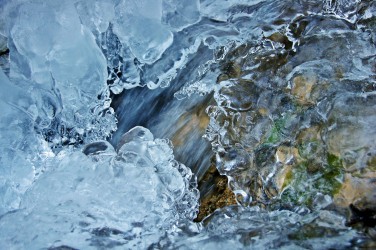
[[215, 193], [302, 89], [352, 130], [296, 119], [357, 193]]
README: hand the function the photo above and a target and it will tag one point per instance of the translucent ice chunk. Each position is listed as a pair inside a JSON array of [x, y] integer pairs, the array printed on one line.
[[139, 26], [180, 14], [136, 134], [96, 14], [18, 144], [104, 199], [61, 61]]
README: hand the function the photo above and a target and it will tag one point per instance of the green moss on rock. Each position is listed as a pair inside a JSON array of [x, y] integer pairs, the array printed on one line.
[[301, 185]]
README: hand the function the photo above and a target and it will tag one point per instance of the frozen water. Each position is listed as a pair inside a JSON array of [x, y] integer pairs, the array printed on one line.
[[146, 26], [138, 24], [139, 35], [288, 88], [50, 65], [238, 228], [180, 14], [60, 62], [105, 198], [20, 147], [219, 10], [96, 15]]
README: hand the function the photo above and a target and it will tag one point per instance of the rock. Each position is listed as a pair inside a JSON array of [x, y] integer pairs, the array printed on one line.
[[216, 195]]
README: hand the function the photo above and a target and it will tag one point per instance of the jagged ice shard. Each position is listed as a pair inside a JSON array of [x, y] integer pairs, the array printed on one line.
[[112, 110]]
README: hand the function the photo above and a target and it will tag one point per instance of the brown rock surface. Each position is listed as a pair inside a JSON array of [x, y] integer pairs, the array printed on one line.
[[219, 195]]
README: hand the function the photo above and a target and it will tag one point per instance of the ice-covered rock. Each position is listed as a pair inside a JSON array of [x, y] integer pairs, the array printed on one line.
[[287, 137], [238, 228]]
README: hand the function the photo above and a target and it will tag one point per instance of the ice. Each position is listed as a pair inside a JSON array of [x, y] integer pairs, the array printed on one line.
[[283, 90], [219, 10], [105, 199], [57, 72], [238, 228], [96, 15], [62, 63], [142, 31], [19, 143], [180, 14], [138, 25]]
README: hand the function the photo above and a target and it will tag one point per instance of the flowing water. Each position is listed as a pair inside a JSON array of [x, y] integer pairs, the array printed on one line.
[[112, 111]]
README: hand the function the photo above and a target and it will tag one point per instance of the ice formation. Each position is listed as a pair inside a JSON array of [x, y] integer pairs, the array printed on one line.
[[105, 197], [20, 144], [284, 91], [59, 63]]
